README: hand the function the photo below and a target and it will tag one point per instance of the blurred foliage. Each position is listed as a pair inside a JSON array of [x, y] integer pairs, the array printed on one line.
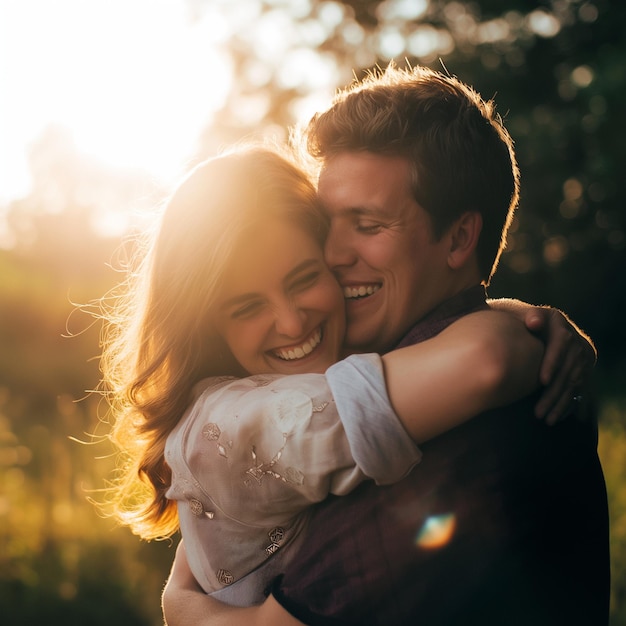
[[556, 70], [612, 450]]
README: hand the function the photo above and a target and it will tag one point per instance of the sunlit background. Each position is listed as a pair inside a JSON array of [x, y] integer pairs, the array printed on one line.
[[127, 80], [132, 86], [105, 103]]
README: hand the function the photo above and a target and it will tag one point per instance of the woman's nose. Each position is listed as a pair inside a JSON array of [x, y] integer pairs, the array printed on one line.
[[290, 320]]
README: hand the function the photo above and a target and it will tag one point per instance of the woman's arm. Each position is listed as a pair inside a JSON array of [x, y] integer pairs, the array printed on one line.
[[569, 358], [185, 604], [482, 361]]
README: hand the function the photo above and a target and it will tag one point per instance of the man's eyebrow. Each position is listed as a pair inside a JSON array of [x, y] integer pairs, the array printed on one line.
[[250, 295], [361, 210]]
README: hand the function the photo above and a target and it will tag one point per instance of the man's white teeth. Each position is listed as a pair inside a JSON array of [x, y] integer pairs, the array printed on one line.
[[359, 292], [306, 348]]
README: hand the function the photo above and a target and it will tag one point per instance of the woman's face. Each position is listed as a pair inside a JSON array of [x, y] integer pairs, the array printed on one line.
[[280, 309]]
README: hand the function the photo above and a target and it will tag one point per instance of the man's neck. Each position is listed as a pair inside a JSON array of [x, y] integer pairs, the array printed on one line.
[[444, 314]]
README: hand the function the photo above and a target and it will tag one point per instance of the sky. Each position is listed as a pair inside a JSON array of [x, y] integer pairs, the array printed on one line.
[[134, 81]]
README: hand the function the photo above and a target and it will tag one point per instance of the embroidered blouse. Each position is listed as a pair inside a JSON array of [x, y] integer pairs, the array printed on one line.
[[251, 455]]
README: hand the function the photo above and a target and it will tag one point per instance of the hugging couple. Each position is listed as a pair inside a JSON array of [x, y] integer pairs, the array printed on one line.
[[308, 381]]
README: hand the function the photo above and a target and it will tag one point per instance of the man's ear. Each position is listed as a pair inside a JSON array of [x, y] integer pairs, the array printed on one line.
[[464, 236]]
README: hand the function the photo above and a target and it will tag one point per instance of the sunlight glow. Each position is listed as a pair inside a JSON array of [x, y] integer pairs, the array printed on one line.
[[134, 82]]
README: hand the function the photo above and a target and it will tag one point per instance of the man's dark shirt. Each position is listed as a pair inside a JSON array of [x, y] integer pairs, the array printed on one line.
[[505, 521]]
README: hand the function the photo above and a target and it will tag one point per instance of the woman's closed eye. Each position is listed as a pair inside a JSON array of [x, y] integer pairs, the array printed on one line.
[[247, 310], [304, 281]]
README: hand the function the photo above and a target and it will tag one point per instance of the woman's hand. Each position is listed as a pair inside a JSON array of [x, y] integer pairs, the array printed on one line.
[[569, 358], [185, 604], [183, 599]]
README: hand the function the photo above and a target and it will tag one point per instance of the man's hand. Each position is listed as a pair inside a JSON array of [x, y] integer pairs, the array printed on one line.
[[184, 603], [569, 358]]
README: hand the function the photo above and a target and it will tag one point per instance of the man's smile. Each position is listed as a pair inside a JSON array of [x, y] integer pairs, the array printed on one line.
[[360, 291]]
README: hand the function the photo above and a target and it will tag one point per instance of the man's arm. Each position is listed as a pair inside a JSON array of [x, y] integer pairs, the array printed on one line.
[[185, 604], [569, 358]]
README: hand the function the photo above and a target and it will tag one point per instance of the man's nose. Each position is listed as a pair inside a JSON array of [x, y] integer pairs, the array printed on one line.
[[338, 250]]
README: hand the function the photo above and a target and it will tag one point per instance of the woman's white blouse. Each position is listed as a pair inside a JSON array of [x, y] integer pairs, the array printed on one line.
[[251, 455]]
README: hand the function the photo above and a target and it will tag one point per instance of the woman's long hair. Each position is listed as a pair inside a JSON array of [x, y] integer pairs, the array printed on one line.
[[158, 338]]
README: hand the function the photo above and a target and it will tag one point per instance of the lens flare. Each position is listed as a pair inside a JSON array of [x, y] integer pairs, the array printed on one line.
[[436, 531]]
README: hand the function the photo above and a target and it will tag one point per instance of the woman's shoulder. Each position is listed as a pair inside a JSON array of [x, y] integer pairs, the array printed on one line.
[[258, 385]]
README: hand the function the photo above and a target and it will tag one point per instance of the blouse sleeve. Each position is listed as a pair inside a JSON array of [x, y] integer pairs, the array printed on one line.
[[266, 447]]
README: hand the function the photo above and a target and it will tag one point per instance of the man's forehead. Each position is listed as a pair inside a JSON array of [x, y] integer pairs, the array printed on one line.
[[364, 174], [342, 199]]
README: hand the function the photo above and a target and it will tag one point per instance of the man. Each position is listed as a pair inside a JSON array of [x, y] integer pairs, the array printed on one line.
[[506, 520]]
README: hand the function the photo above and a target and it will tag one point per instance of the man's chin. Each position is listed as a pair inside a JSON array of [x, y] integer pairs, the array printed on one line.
[[358, 341]]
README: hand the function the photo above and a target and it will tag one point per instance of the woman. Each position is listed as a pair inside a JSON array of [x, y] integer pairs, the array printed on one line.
[[235, 284]]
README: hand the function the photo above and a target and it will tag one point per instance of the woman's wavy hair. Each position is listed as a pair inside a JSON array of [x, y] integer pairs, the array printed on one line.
[[158, 338], [461, 155]]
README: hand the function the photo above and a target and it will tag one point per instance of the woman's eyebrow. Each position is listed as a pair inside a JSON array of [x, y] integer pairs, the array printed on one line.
[[239, 299], [305, 265], [243, 297]]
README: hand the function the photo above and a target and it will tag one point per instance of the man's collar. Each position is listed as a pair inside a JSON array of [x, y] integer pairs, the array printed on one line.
[[468, 301]]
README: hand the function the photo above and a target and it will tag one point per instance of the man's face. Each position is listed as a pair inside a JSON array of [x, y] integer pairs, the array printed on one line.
[[381, 248]]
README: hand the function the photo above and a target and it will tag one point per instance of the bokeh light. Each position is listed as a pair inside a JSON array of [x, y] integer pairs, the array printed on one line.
[[436, 532]]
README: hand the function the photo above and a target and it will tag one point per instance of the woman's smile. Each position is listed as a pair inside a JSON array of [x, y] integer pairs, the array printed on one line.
[[280, 309], [302, 350]]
